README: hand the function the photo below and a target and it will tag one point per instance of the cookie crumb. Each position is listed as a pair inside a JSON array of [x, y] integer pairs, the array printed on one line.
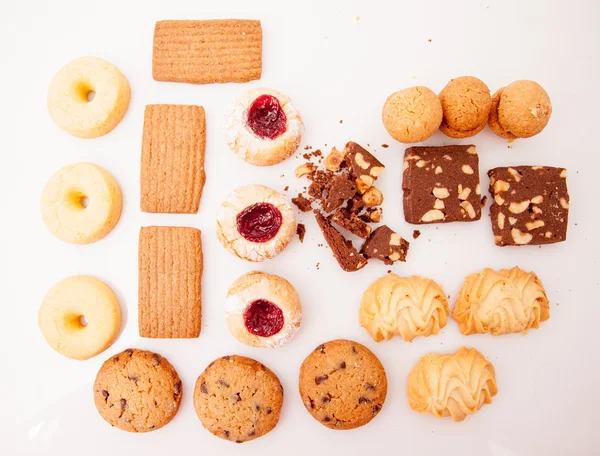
[[416, 234], [287, 187], [341, 121], [385, 146], [389, 271], [302, 203], [429, 40], [282, 175], [357, 18], [318, 265], [301, 231]]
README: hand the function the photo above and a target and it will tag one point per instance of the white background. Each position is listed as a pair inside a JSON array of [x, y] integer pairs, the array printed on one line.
[[336, 60]]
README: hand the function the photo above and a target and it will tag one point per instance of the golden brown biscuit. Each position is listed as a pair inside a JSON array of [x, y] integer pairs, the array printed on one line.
[[137, 391], [524, 108], [203, 52], [263, 310], [508, 301], [407, 307], [455, 385], [172, 170], [170, 274], [466, 104], [238, 399], [493, 121], [412, 115]]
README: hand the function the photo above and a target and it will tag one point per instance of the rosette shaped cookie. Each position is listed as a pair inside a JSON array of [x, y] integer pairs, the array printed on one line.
[[407, 307], [453, 385], [509, 301]]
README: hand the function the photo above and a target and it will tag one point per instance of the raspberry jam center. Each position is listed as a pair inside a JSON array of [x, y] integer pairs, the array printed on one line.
[[259, 222], [266, 118], [263, 318]]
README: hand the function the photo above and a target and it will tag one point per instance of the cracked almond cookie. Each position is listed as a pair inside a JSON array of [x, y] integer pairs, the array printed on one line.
[[238, 399], [466, 103], [342, 384], [137, 391]]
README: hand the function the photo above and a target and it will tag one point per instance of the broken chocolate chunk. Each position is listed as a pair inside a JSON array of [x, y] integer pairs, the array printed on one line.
[[344, 252], [365, 168], [416, 234], [385, 245], [302, 203], [339, 190], [301, 231], [350, 222]]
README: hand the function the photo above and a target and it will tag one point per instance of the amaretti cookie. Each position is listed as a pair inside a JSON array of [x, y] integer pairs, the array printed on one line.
[[530, 205], [255, 223], [342, 384], [503, 302], [412, 115], [238, 399], [466, 104], [263, 310], [404, 306], [520, 110], [441, 184], [263, 128], [455, 385]]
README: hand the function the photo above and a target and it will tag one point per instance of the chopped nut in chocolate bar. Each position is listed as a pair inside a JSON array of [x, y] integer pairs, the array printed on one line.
[[339, 190], [365, 168], [531, 205], [374, 214], [372, 197], [441, 184], [334, 160], [344, 252], [304, 169], [385, 245], [301, 231], [352, 223], [302, 203]]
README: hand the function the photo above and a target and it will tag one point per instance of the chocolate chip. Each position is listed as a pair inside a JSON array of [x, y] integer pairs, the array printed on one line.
[[269, 410], [320, 348], [325, 400], [123, 404], [326, 419], [116, 359], [105, 394], [129, 351], [257, 407], [343, 365], [354, 350], [252, 433], [111, 405], [364, 400], [222, 383], [152, 427], [236, 397], [133, 378], [376, 409], [312, 403], [203, 388], [370, 387], [321, 378], [176, 390], [227, 357], [226, 434], [156, 359]]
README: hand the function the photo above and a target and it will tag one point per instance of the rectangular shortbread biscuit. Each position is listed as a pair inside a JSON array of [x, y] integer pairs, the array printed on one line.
[[203, 52], [170, 272], [172, 169]]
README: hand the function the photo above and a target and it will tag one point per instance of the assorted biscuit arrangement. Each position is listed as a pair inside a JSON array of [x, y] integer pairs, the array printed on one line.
[[342, 384]]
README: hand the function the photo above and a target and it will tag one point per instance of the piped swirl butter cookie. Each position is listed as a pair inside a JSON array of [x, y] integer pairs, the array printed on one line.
[[508, 301], [263, 128], [455, 385], [137, 391], [408, 307], [255, 223], [238, 399], [342, 384], [263, 310]]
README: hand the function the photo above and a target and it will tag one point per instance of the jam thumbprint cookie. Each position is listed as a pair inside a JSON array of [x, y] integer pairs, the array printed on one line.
[[263, 128], [255, 223], [263, 310]]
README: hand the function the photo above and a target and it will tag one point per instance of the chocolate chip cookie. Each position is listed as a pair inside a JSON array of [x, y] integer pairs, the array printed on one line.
[[137, 391], [238, 399], [342, 384]]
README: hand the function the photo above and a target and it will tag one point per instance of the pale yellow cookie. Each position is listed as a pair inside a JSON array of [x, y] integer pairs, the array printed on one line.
[[493, 121], [508, 301], [403, 306], [80, 317], [412, 115], [455, 385], [255, 223], [524, 108], [88, 97], [263, 310], [263, 127], [81, 203]]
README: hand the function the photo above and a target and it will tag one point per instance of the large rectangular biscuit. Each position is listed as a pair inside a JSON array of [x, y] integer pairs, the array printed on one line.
[[172, 169], [203, 52], [170, 272]]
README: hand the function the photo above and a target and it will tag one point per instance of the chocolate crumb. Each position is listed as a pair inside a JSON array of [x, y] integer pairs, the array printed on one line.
[[301, 231], [416, 234], [302, 203], [287, 187], [385, 146], [341, 121]]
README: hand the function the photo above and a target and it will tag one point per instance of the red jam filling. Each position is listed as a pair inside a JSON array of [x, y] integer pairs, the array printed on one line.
[[259, 222], [263, 318], [266, 118]]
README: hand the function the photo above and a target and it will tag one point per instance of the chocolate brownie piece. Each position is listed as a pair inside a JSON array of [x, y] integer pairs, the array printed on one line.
[[364, 167], [302, 203], [355, 204], [441, 184], [531, 205], [301, 231], [340, 188], [385, 245], [319, 179], [352, 223], [344, 252]]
